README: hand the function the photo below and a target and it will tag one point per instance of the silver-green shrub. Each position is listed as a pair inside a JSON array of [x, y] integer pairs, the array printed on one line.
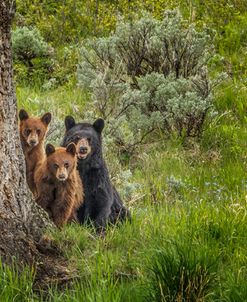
[[28, 44], [150, 75], [32, 56]]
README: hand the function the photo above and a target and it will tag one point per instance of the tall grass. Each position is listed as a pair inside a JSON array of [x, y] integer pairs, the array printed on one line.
[[16, 285]]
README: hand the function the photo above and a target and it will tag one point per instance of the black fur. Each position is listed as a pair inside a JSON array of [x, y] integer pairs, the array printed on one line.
[[46, 118], [49, 149], [23, 115], [102, 203]]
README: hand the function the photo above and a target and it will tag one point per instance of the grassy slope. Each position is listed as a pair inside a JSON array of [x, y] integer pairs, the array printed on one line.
[[187, 239]]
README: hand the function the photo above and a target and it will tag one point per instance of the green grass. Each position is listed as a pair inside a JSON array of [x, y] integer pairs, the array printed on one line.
[[187, 239], [61, 101], [16, 286]]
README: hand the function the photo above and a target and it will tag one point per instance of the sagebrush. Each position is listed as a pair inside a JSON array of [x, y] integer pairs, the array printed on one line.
[[150, 76]]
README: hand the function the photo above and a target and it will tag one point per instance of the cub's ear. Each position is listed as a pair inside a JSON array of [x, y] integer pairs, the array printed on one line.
[[46, 118], [69, 122], [23, 115], [99, 125], [71, 148], [49, 149]]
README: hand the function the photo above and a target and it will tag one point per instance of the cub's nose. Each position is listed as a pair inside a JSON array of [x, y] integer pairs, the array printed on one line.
[[62, 176], [83, 150], [33, 142]]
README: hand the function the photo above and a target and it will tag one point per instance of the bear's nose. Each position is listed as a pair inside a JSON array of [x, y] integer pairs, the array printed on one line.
[[33, 142], [62, 176], [83, 150]]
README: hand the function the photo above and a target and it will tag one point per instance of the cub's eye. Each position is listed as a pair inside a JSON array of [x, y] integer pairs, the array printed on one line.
[[77, 138], [27, 132], [55, 166], [66, 165], [38, 131], [89, 139]]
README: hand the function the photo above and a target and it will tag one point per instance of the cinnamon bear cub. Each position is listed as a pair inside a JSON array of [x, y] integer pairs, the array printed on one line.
[[102, 203], [59, 187], [32, 134]]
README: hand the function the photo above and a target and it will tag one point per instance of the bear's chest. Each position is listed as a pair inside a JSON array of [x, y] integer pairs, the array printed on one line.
[[91, 181]]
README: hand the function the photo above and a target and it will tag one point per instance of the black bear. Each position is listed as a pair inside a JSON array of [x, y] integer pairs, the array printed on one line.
[[102, 203]]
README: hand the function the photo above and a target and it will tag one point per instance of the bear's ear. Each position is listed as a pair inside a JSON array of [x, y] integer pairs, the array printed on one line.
[[46, 118], [23, 115], [99, 125], [49, 149], [69, 122], [71, 148]]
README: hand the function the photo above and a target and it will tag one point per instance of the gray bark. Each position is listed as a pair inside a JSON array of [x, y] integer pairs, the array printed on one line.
[[21, 220]]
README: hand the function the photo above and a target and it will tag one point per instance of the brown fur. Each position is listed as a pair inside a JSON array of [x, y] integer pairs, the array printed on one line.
[[83, 148], [59, 187], [32, 134]]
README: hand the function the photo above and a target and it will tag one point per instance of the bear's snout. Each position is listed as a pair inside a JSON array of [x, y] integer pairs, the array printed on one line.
[[83, 150], [32, 141], [62, 176]]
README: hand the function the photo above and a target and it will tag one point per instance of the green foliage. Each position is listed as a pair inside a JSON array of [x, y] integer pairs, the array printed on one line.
[[28, 44], [64, 21], [31, 55], [64, 66], [232, 45], [150, 75], [69, 21], [217, 14]]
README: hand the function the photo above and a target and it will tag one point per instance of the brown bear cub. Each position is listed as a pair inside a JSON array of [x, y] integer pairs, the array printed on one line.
[[59, 187], [32, 134]]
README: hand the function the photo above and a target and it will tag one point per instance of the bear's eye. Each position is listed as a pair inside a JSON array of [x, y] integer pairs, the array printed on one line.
[[27, 132], [66, 165], [55, 166], [77, 138], [89, 139], [38, 131]]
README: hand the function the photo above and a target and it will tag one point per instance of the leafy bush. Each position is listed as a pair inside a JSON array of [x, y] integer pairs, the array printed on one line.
[[150, 75], [31, 55], [28, 44]]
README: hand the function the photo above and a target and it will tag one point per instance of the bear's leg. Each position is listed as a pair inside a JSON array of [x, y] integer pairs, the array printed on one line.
[[102, 208], [61, 211], [81, 213], [101, 220], [73, 217], [31, 183], [119, 212], [44, 197]]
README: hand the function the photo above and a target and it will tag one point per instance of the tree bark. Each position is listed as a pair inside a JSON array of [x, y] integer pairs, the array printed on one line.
[[21, 220]]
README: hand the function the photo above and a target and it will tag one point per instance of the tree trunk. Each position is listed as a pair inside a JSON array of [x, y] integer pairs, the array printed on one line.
[[21, 220]]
